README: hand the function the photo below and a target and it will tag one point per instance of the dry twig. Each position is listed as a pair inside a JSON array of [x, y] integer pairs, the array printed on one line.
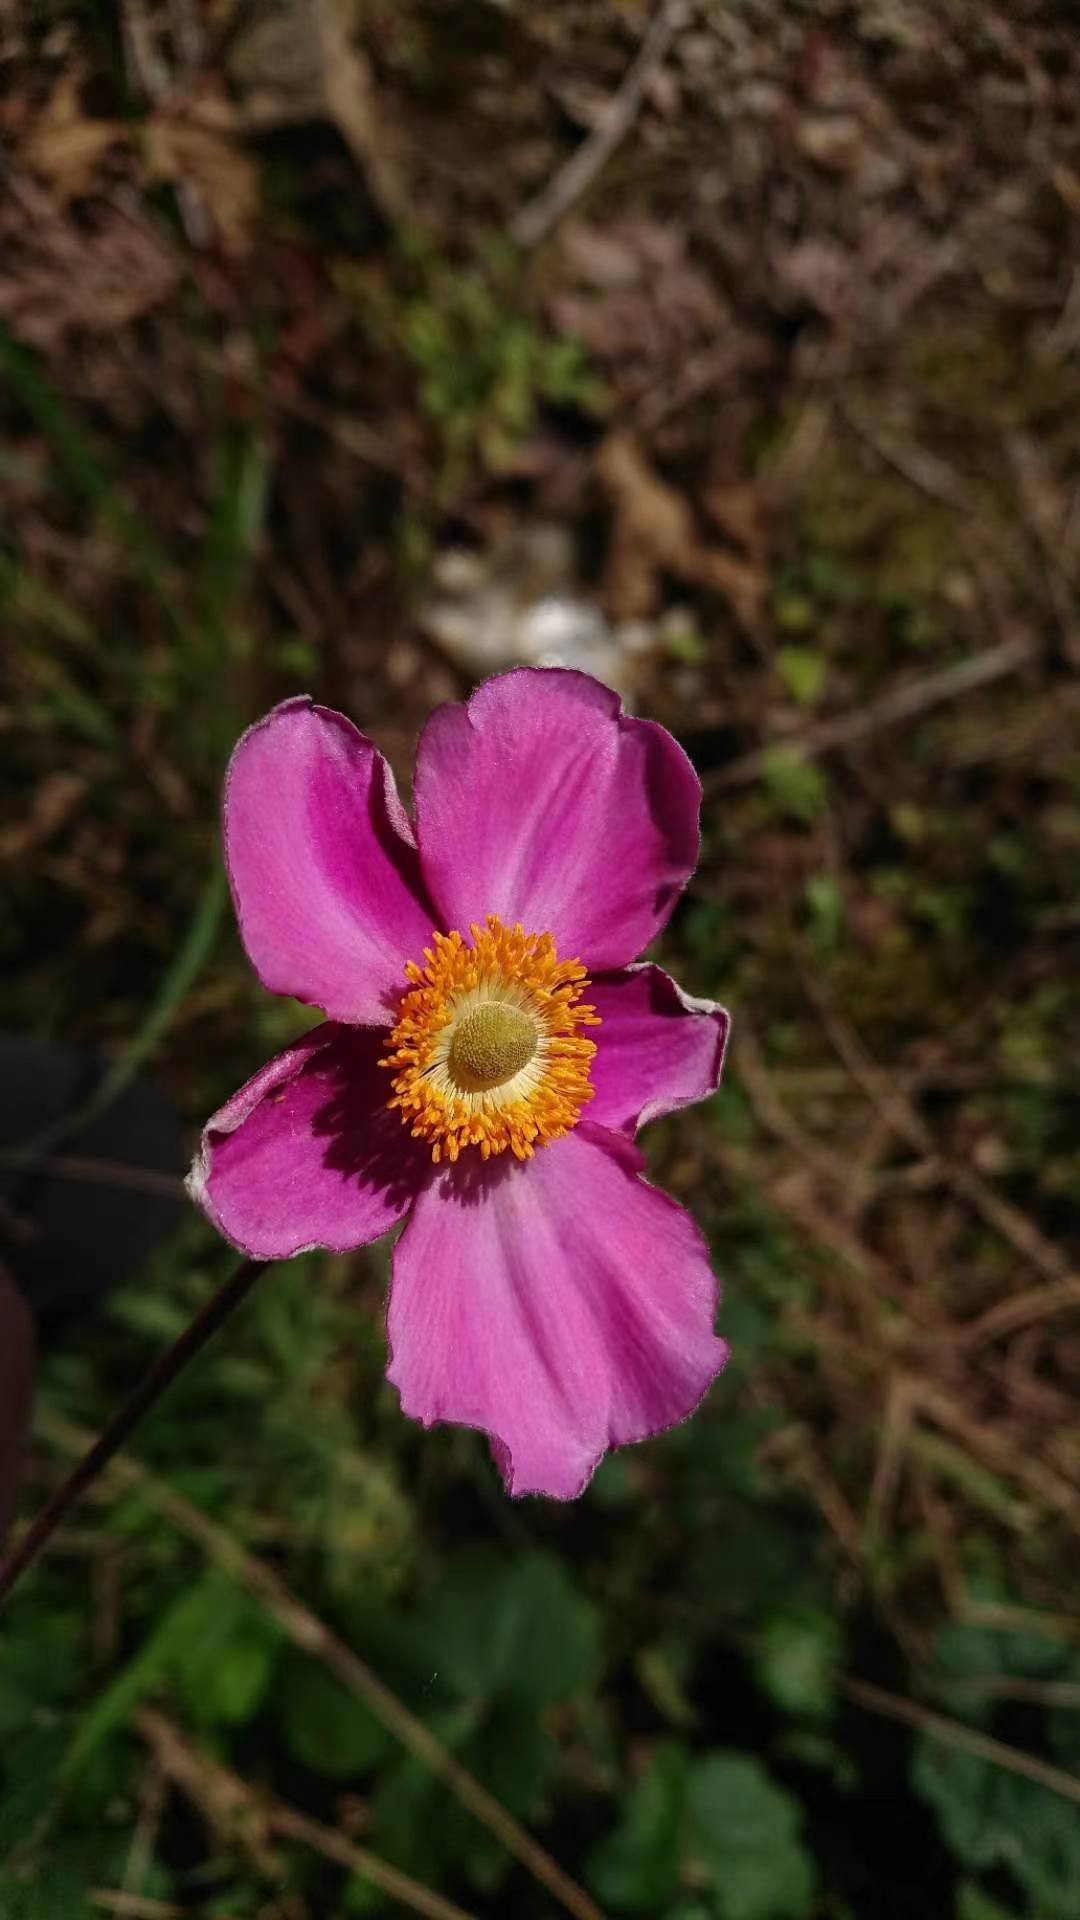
[[168, 1366], [534, 221], [133, 1906], [916, 465], [309, 1633], [953, 1733], [1008, 1221], [900, 703], [251, 1816], [1021, 1310]]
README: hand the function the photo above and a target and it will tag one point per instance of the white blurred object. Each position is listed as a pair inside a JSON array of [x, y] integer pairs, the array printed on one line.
[[518, 604]]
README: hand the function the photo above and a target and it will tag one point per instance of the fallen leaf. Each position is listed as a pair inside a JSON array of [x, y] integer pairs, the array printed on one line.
[[819, 272], [739, 582], [66, 146], [299, 63], [654, 532], [735, 508], [59, 278], [196, 141], [630, 291], [831, 141]]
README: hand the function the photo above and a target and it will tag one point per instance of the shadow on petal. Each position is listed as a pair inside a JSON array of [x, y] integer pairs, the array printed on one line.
[[308, 1154]]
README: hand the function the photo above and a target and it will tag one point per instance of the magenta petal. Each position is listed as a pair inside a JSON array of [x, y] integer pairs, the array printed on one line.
[[563, 1306], [307, 1153], [322, 864], [541, 801], [656, 1048]]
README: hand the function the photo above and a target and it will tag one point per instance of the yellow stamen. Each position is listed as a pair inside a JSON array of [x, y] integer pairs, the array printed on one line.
[[486, 1051]]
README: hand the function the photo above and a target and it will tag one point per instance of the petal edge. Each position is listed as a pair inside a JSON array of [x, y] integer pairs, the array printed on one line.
[[541, 800], [322, 863], [562, 1307], [306, 1155], [658, 1048]]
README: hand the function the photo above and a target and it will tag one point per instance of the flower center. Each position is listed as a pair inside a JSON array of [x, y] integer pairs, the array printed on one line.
[[486, 1051], [490, 1045]]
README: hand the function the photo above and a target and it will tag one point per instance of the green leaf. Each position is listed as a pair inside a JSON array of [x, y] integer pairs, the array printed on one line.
[[811, 1747], [31, 1786], [796, 613], [361, 1895], [223, 1673], [408, 1824], [796, 787], [323, 1726], [742, 1831], [1064, 1729], [188, 962], [509, 1750], [754, 1560], [991, 1818], [213, 1644], [519, 1630], [636, 1868], [685, 642], [512, 1752], [57, 1891], [825, 911], [803, 672], [516, 1756], [973, 1904], [556, 1651], [662, 1670], [471, 1625], [40, 1656], [178, 1630], [965, 1655], [797, 1653]]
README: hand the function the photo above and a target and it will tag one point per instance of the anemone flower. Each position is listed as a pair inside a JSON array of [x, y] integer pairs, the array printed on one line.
[[488, 1055]]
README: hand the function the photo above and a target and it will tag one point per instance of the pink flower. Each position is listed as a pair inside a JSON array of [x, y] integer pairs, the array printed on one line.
[[543, 1291]]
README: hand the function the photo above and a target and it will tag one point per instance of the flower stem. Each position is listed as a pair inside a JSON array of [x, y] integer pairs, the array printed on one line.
[[150, 1389]]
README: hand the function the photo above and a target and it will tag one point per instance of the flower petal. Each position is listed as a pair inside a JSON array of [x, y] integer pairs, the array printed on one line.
[[541, 801], [307, 1154], [322, 864], [563, 1306], [656, 1048]]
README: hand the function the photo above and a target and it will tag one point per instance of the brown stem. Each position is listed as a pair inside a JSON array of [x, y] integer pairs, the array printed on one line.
[[147, 1393]]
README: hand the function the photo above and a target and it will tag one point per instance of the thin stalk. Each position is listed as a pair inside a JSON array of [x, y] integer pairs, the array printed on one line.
[[146, 1395], [311, 1635], [188, 963]]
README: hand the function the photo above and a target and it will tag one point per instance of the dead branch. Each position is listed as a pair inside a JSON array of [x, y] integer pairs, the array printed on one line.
[[534, 221]]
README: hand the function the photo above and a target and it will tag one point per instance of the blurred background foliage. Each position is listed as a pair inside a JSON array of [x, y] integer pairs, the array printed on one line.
[[339, 343]]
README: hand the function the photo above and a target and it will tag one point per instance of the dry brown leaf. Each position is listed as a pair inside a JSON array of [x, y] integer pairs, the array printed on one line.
[[631, 292], [654, 532], [57, 277], [739, 582], [735, 508], [66, 145], [832, 141], [301, 62], [195, 142], [819, 272]]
